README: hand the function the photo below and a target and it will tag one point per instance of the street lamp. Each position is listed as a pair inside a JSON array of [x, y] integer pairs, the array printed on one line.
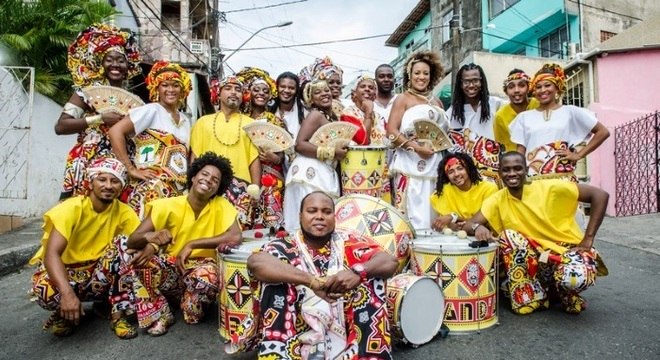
[[282, 24]]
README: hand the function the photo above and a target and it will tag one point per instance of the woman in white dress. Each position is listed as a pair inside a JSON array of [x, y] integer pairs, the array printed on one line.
[[548, 136], [314, 168], [414, 166], [161, 132]]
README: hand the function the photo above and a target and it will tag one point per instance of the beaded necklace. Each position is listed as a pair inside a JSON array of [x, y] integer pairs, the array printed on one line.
[[238, 130]]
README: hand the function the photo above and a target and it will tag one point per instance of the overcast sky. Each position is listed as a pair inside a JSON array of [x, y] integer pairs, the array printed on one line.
[[313, 21]]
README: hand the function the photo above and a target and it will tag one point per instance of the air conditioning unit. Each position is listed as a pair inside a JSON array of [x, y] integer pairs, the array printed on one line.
[[197, 46]]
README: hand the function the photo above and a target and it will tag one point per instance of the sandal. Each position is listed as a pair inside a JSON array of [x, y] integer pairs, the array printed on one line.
[[160, 326], [123, 329], [58, 325]]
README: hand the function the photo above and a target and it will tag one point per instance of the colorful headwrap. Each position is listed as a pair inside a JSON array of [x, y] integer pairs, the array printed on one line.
[[309, 90], [453, 162], [164, 71], [107, 166], [85, 54], [520, 75], [553, 73], [252, 76], [217, 85], [321, 69], [362, 78]]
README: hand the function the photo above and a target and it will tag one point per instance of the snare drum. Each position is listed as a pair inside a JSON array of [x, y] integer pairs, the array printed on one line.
[[467, 277], [363, 170], [415, 308], [235, 295], [368, 216]]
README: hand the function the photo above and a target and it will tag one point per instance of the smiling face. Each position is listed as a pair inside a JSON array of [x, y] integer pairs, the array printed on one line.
[[115, 67], [335, 82], [231, 96], [457, 175], [546, 92], [322, 96], [105, 187], [517, 90], [471, 83], [169, 93], [286, 89], [513, 171], [420, 76], [318, 215], [260, 94], [366, 89], [206, 182]]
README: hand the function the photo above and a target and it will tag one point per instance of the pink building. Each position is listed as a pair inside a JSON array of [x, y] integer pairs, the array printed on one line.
[[620, 82]]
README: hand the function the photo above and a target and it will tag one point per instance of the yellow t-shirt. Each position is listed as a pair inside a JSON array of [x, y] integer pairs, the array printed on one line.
[[546, 212], [176, 215], [87, 232], [227, 139], [503, 118], [464, 203]]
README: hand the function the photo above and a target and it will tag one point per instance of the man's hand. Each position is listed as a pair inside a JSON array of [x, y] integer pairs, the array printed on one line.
[[111, 118], [341, 282], [441, 222], [482, 233], [160, 237], [181, 259], [141, 257], [586, 244], [70, 307]]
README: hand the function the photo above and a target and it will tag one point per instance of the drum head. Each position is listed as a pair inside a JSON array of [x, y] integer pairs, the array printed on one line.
[[422, 311], [244, 251]]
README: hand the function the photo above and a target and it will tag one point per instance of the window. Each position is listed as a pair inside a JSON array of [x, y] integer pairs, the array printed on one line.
[[553, 44], [497, 6], [171, 15], [575, 95], [446, 23], [606, 35]]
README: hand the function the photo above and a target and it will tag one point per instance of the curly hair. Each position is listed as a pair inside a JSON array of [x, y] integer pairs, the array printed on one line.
[[220, 162], [430, 58], [458, 96], [470, 167]]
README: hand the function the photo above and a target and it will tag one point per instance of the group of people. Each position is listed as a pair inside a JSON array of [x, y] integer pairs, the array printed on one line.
[[150, 195]]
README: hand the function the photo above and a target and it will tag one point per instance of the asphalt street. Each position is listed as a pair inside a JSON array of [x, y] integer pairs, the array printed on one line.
[[622, 322]]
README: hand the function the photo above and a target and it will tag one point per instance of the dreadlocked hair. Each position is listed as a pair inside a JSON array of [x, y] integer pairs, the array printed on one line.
[[458, 97], [276, 102], [470, 167], [222, 163]]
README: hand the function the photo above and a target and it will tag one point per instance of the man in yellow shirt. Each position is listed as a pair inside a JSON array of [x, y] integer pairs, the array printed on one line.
[[516, 87], [543, 249], [175, 246], [77, 252], [223, 134]]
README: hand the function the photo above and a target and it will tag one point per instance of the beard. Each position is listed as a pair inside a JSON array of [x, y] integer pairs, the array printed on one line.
[[314, 239]]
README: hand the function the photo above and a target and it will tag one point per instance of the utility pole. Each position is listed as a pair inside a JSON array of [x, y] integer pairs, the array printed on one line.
[[454, 25], [214, 68]]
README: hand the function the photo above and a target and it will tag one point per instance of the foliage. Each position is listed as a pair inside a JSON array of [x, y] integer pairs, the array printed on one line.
[[38, 32]]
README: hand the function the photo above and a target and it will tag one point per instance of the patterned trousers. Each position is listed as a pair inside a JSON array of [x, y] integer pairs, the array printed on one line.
[[528, 280]]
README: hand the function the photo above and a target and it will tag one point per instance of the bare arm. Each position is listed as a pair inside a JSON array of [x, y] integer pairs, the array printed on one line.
[[598, 199], [68, 124], [255, 171], [482, 233], [312, 122], [394, 121], [230, 238], [118, 134], [600, 135], [70, 306], [267, 268], [145, 234]]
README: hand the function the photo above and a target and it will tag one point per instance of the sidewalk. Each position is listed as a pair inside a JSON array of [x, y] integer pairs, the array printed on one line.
[[635, 232]]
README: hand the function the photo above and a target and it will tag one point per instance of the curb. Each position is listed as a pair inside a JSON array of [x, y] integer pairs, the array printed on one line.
[[16, 257]]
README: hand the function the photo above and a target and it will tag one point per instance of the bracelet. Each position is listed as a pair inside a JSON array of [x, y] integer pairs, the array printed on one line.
[[454, 218], [410, 149], [319, 280], [404, 143], [94, 120], [155, 246], [324, 153]]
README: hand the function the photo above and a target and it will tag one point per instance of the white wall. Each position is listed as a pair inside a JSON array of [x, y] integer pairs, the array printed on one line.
[[47, 154]]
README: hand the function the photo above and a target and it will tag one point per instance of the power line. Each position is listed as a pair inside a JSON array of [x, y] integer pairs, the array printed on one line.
[[313, 43], [604, 10], [264, 7]]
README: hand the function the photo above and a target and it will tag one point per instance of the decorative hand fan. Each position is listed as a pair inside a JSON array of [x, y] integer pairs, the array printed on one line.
[[334, 134], [106, 99], [268, 136], [431, 135]]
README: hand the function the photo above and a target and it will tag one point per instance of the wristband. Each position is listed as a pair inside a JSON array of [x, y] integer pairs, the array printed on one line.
[[475, 226], [155, 246], [94, 120], [454, 218]]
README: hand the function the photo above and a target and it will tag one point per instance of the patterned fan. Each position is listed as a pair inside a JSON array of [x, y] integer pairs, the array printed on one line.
[[334, 134], [431, 135], [268, 136], [111, 99]]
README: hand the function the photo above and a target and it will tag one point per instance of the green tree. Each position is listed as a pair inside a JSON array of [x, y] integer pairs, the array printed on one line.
[[38, 32]]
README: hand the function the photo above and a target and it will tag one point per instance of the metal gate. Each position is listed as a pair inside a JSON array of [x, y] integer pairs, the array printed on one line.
[[636, 166], [16, 99]]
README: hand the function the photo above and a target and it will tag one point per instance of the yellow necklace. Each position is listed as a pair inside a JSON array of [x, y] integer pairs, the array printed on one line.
[[238, 130]]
